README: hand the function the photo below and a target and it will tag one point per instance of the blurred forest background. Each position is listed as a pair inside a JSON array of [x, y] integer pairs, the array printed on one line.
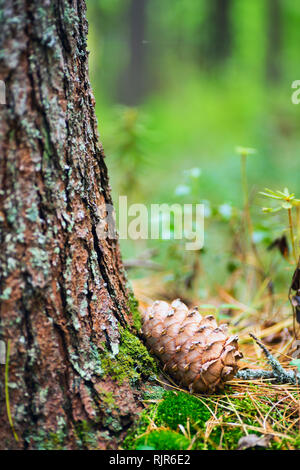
[[178, 86]]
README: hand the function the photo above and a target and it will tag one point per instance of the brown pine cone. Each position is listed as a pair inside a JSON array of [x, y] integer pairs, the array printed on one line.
[[194, 350]]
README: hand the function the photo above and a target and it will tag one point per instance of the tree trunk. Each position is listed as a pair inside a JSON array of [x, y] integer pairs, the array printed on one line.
[[64, 300], [133, 80], [219, 32], [273, 67]]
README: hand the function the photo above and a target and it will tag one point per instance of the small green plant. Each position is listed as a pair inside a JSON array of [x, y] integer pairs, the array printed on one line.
[[285, 201], [244, 152]]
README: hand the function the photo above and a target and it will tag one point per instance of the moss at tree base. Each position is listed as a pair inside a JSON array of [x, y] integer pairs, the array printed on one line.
[[132, 362]]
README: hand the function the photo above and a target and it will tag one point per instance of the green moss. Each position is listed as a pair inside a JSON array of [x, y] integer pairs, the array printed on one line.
[[170, 409], [179, 407], [106, 397], [136, 316], [132, 361], [163, 440], [86, 435]]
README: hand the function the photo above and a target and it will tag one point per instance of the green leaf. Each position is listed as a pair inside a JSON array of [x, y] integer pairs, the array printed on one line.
[[271, 209], [270, 194], [281, 195]]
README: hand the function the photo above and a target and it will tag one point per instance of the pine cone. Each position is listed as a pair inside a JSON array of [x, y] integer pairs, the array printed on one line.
[[194, 350]]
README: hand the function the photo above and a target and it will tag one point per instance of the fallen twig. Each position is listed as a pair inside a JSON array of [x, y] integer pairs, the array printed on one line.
[[278, 373]]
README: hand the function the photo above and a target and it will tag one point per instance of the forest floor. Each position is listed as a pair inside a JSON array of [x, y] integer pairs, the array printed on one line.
[[246, 414]]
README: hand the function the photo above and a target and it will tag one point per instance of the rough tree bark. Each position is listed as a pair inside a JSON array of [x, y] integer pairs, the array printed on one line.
[[64, 299]]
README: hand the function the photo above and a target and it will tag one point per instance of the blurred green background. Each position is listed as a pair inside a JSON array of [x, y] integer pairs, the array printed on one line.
[[178, 86]]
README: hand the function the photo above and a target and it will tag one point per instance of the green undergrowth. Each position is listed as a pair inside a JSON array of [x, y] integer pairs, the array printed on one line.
[[131, 363], [175, 420], [164, 439]]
